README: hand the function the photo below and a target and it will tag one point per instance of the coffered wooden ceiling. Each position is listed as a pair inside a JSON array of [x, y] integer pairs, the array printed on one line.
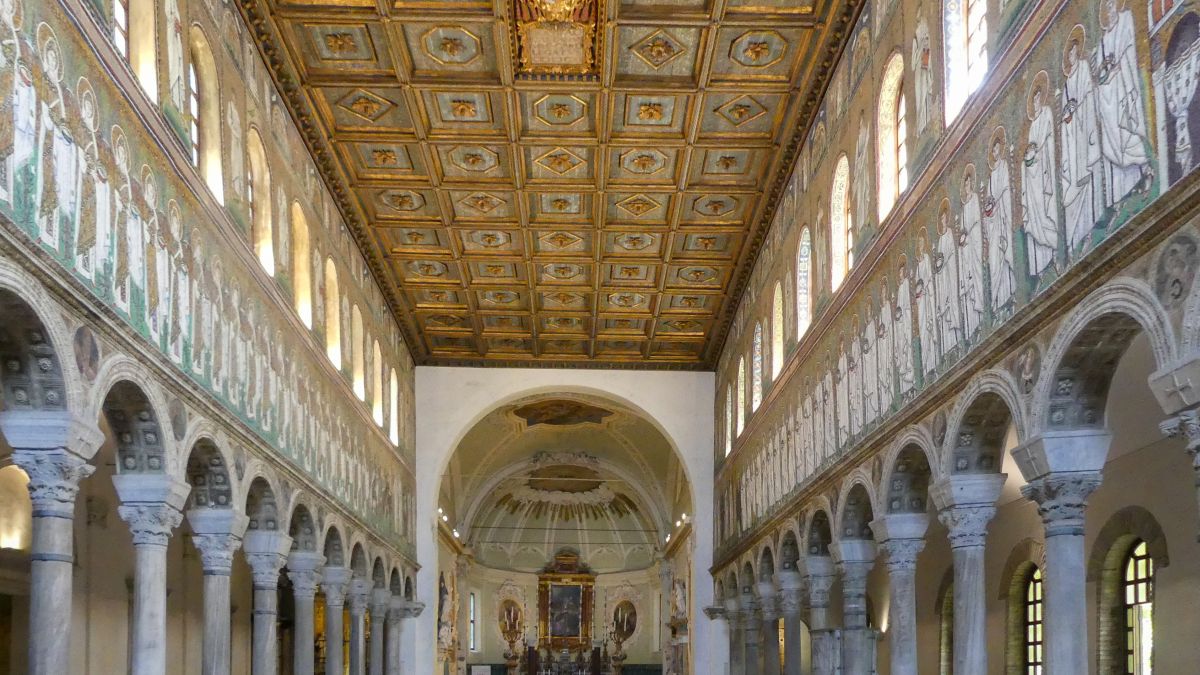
[[555, 181]]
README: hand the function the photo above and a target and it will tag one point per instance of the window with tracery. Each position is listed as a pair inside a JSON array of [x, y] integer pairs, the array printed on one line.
[[841, 226], [741, 395], [891, 125], [301, 273], [194, 111], [965, 34], [333, 317], [394, 418], [357, 367], [728, 420], [258, 203], [377, 386], [777, 333]]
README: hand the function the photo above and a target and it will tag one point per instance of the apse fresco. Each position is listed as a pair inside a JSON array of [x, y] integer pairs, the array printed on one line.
[[1095, 123], [87, 187]]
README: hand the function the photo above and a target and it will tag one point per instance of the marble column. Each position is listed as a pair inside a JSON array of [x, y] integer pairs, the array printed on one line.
[[1186, 425], [380, 599], [791, 604], [769, 603], [335, 581], [53, 449], [737, 641], [901, 538], [751, 636], [408, 636], [1062, 469], [818, 579], [304, 571], [266, 553], [857, 642], [395, 617], [1178, 392], [217, 534], [151, 504], [720, 622], [966, 504], [358, 596]]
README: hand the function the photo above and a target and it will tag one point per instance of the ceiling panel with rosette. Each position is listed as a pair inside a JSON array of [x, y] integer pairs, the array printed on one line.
[[580, 182]]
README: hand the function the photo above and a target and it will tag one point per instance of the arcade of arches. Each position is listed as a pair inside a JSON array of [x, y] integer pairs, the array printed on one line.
[[548, 337]]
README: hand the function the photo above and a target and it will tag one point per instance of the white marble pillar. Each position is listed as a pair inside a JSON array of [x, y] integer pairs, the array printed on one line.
[[818, 579], [1062, 500], [151, 504], [791, 603], [857, 641], [769, 603], [901, 539], [737, 641], [380, 599], [304, 571], [358, 596], [335, 581], [408, 636], [720, 623], [217, 534], [266, 553], [395, 615], [1062, 469], [751, 636], [53, 449]]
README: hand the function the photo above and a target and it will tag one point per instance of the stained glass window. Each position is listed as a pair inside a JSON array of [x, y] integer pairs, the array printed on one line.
[[1138, 598]]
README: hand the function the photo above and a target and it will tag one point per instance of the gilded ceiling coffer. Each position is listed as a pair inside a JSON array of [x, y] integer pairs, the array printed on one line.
[[557, 37]]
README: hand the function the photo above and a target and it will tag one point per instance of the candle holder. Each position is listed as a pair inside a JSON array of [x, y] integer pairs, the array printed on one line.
[[512, 629]]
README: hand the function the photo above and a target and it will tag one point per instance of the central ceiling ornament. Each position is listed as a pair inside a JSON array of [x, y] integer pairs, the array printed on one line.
[[557, 37]]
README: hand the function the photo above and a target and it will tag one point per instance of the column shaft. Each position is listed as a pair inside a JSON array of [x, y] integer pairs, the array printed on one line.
[[856, 637], [902, 604], [770, 646], [265, 657], [793, 650], [752, 634], [334, 632], [970, 611], [737, 647], [825, 648], [379, 608], [150, 609], [215, 656], [304, 648], [53, 485], [357, 638]]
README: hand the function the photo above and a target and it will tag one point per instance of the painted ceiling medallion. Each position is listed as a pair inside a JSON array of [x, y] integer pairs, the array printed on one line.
[[634, 242], [451, 45], [564, 300], [561, 240], [638, 205], [403, 200], [481, 202], [758, 48], [560, 161], [627, 300], [557, 37], [365, 104], [559, 110], [562, 271], [491, 238], [713, 206], [500, 297], [657, 49], [474, 159], [697, 274], [643, 162], [427, 268], [741, 110]]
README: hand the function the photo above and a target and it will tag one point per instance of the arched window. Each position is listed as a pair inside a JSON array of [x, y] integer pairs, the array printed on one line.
[[258, 202], [394, 420], [893, 150], [756, 367], [357, 371], [301, 275], [741, 395], [777, 333], [134, 34], [728, 419], [803, 283], [333, 320], [377, 386], [1034, 662], [1137, 598], [965, 28], [841, 225], [204, 106]]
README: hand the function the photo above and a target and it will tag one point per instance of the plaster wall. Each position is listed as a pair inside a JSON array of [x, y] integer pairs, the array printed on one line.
[[451, 400]]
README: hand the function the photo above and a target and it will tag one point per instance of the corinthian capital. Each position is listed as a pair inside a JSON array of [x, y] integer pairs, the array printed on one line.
[[1185, 425], [216, 552], [54, 477], [967, 524], [1062, 499], [150, 523], [265, 567], [304, 582], [791, 601], [901, 554]]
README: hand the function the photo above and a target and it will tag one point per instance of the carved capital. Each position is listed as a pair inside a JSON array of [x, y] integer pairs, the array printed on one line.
[[1185, 425], [716, 613], [150, 523], [412, 610], [769, 608], [1062, 500], [791, 602], [358, 594], [54, 477], [901, 554], [818, 589], [265, 567], [967, 524], [854, 576], [335, 582], [381, 598], [304, 582], [216, 552]]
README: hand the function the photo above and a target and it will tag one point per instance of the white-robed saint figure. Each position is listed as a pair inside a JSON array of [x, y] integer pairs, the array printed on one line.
[[926, 300], [970, 255], [1122, 110], [1082, 190], [842, 391], [945, 282], [885, 365], [1039, 189], [902, 336], [922, 63], [997, 222]]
